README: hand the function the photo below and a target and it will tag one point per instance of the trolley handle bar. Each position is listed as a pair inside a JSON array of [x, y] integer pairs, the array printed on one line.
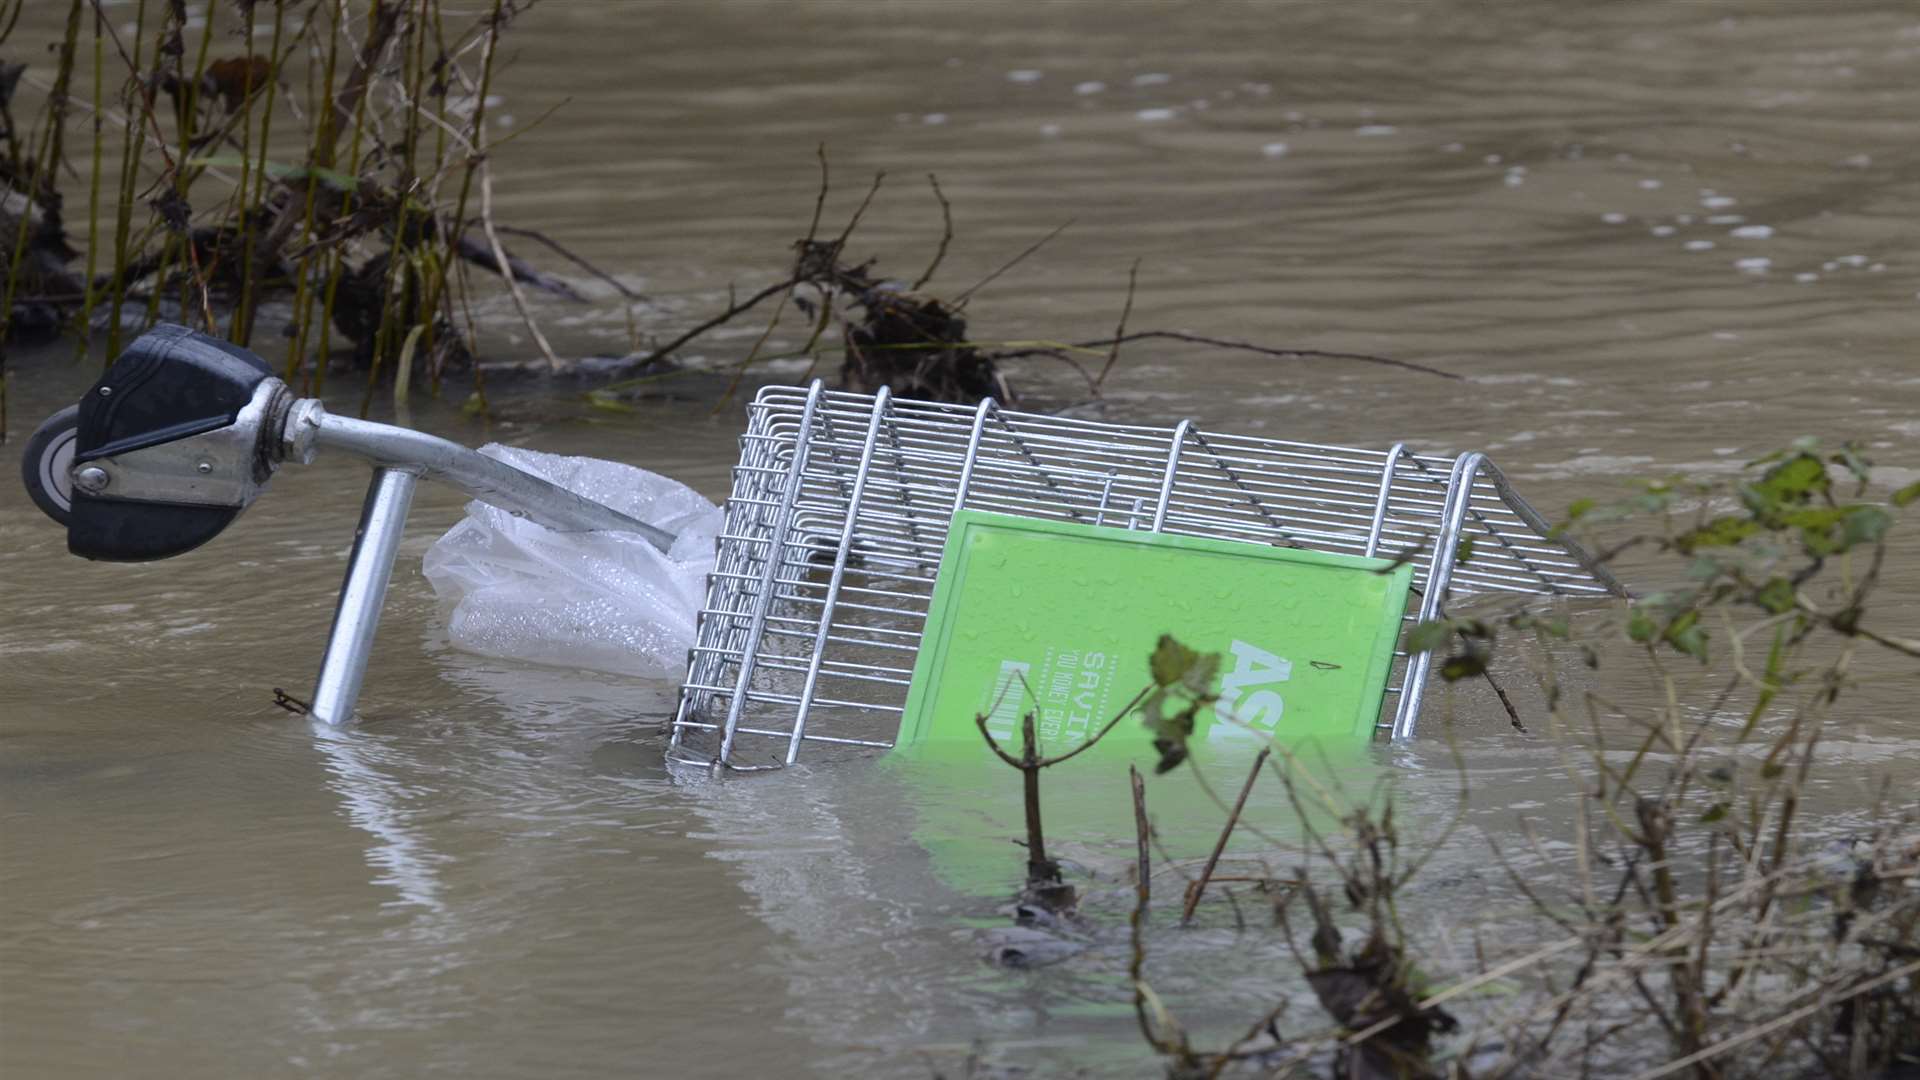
[[309, 426]]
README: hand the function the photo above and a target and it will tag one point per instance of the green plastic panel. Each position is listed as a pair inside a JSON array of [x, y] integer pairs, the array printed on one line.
[[1060, 619]]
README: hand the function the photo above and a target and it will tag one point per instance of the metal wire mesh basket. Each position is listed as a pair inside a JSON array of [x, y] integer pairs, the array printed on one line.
[[840, 507]]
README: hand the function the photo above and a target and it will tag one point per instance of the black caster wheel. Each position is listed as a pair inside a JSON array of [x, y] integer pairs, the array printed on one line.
[[47, 465]]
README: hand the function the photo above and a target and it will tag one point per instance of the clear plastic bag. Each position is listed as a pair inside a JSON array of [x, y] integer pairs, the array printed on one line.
[[605, 601]]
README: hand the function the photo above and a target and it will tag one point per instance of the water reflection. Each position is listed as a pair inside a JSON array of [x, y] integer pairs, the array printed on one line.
[[380, 805]]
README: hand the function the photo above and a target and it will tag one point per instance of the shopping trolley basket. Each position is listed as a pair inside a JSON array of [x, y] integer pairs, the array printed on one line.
[[840, 507]]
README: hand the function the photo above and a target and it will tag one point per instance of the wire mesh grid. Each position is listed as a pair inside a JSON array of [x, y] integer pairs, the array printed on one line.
[[840, 505]]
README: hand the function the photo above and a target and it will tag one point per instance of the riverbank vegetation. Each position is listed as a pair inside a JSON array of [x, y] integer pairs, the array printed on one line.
[[1682, 919], [327, 162], [314, 181]]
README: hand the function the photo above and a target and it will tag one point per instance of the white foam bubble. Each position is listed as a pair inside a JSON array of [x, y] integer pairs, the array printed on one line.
[[1757, 264], [1806, 277], [1718, 202], [1651, 184], [1154, 115], [1752, 232], [1025, 75], [1152, 78], [934, 119], [1614, 217], [1663, 230], [1375, 130], [1274, 150], [1089, 88], [1698, 245]]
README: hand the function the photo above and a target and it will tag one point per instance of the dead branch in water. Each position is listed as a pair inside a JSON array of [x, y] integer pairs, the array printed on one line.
[[917, 345], [733, 309], [1225, 343], [577, 260]]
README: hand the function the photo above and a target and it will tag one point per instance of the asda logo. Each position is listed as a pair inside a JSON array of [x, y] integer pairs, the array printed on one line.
[[1250, 694]]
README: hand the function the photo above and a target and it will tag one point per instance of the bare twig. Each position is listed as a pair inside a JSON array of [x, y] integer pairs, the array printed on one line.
[[733, 309], [961, 300], [820, 200], [506, 268], [840, 242], [1120, 331], [1143, 869], [946, 233], [1228, 343], [1513, 714], [1824, 1002], [1199, 885], [534, 234]]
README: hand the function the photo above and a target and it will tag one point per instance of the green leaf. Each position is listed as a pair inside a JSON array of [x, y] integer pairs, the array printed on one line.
[[1825, 530], [1153, 710], [1849, 458], [1795, 480], [1463, 666], [1863, 525], [1576, 510], [609, 401], [1714, 813], [1199, 676], [1907, 494], [1170, 735], [1171, 755], [1171, 661], [1817, 518], [1429, 636], [1776, 596], [1463, 553], [1720, 532], [1639, 627], [1685, 635], [1706, 569]]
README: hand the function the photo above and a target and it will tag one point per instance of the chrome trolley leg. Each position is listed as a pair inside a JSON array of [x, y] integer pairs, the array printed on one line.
[[383, 519]]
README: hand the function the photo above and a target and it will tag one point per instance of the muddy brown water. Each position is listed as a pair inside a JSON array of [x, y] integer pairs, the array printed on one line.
[[1653, 238]]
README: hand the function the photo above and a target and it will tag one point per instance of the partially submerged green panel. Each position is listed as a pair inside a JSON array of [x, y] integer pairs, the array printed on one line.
[[967, 814], [1060, 619]]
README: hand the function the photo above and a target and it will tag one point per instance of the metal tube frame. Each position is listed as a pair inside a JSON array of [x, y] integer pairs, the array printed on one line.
[[402, 458], [839, 511], [383, 521]]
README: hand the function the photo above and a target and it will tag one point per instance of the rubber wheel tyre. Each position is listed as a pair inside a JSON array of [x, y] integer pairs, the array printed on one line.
[[47, 465]]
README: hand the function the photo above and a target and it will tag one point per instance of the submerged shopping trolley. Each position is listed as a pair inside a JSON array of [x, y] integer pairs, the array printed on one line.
[[841, 503], [833, 537]]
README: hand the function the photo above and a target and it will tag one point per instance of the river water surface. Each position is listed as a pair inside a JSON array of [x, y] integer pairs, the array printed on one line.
[[1653, 238]]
